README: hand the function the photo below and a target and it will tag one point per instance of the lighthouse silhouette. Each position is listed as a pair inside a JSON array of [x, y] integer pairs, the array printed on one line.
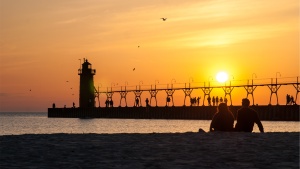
[[86, 93]]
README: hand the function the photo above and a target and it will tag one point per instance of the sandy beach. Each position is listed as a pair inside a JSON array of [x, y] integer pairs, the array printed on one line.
[[157, 150]]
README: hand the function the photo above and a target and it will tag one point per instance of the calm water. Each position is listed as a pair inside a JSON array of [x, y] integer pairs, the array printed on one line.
[[39, 123]]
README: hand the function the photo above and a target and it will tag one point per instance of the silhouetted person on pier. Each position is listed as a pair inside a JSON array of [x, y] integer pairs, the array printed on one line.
[[217, 100], [73, 105], [111, 102], [225, 100], [193, 101], [106, 103], [137, 102], [292, 100], [246, 117], [221, 100], [168, 99], [213, 100], [223, 120], [198, 100], [53, 105], [288, 99], [209, 100], [147, 102]]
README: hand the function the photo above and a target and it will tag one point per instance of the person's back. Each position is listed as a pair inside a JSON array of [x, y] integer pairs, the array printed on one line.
[[246, 117], [223, 120]]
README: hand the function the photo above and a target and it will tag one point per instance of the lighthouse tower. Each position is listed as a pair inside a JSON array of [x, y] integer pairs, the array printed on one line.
[[86, 93]]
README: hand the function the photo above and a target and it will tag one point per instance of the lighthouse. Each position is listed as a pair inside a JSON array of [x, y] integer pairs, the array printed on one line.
[[86, 93]]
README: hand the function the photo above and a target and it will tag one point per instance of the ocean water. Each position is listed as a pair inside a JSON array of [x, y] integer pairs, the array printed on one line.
[[39, 123]]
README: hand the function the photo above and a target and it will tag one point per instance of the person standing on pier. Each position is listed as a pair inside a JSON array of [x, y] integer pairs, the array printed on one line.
[[147, 102], [288, 99], [221, 100], [246, 117], [225, 100], [137, 102], [198, 100], [209, 100]]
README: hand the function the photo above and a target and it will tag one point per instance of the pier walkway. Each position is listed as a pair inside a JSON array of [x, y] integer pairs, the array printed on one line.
[[188, 89]]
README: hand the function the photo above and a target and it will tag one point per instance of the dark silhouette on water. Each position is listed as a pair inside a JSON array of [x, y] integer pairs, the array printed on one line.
[[164, 19], [223, 120], [246, 117]]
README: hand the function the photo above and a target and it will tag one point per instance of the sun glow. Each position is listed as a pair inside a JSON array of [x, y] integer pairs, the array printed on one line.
[[222, 77]]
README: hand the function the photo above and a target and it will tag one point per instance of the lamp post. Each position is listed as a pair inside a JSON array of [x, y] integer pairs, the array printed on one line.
[[232, 79], [99, 86], [191, 78], [252, 77], [172, 83], [155, 83], [210, 77], [276, 76], [126, 83], [140, 84], [229, 80], [112, 83]]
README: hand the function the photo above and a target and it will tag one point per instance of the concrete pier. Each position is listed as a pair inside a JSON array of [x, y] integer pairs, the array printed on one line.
[[272, 113]]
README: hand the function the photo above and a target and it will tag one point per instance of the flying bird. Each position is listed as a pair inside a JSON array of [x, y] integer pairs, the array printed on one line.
[[164, 19], [133, 69]]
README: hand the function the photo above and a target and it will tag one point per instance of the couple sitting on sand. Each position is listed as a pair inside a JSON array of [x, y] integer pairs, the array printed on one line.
[[223, 120]]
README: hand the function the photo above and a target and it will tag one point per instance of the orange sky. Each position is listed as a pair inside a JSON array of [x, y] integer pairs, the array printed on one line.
[[41, 43]]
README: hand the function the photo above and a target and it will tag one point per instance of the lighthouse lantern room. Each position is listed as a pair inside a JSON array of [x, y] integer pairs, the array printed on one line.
[[86, 93]]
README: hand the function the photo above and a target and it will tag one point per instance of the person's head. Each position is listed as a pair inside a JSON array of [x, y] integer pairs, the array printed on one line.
[[245, 102], [222, 107]]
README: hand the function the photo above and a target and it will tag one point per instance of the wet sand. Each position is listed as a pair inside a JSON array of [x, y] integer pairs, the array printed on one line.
[[157, 150]]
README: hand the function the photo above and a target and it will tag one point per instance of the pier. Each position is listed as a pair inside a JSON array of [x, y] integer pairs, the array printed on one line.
[[268, 113], [89, 96]]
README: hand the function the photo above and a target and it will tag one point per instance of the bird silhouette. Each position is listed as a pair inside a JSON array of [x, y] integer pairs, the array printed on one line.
[[133, 69], [164, 19]]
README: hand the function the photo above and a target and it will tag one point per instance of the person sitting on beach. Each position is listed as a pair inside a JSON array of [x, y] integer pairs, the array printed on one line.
[[246, 117], [223, 120]]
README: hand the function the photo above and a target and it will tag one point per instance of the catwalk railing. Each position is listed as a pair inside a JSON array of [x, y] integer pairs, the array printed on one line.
[[187, 88]]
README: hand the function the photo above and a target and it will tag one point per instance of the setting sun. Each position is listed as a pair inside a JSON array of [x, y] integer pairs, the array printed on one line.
[[222, 77]]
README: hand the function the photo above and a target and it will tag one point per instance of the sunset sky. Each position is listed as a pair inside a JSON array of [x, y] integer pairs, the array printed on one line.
[[42, 41]]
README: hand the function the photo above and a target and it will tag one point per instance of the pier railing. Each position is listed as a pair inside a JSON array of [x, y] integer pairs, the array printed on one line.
[[273, 85]]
